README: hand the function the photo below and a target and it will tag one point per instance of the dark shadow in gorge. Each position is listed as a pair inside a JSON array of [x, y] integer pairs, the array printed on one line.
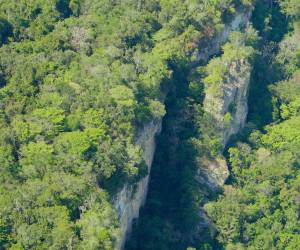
[[272, 25], [171, 212]]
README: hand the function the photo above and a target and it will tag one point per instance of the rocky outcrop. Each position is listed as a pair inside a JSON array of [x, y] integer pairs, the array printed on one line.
[[129, 200], [229, 110], [226, 109], [213, 173]]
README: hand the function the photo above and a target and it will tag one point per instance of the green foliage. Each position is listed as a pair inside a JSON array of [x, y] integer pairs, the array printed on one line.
[[35, 18], [238, 50], [97, 228], [227, 118], [284, 135], [157, 109], [37, 159], [123, 96], [289, 54], [78, 78], [290, 7], [259, 210], [288, 90]]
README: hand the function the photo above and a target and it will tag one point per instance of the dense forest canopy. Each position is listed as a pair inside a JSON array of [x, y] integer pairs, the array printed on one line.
[[79, 78]]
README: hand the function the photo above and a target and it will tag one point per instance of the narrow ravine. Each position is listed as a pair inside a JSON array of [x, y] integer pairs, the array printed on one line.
[[184, 90], [173, 197], [171, 215], [150, 124]]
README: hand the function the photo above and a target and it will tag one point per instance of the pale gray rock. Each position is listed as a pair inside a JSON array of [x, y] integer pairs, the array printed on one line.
[[130, 199]]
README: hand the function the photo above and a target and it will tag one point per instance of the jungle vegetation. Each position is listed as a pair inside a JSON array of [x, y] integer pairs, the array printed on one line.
[[80, 78]]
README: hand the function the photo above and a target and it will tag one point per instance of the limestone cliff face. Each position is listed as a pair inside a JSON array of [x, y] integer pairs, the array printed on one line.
[[228, 110], [129, 200]]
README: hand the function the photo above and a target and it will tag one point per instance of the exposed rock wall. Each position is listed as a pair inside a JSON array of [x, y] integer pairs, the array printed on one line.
[[129, 200], [232, 103], [228, 112]]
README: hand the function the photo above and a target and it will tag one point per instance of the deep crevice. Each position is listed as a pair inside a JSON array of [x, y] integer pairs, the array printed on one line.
[[171, 214]]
